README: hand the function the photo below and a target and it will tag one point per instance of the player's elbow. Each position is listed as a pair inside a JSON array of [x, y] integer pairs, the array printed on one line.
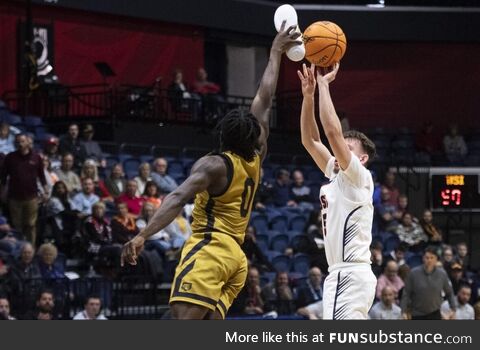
[[333, 132]]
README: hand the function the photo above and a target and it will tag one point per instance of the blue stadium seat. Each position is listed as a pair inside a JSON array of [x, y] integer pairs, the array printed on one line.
[[13, 119], [260, 222], [279, 242], [33, 121], [124, 156], [301, 264], [175, 167], [111, 161], [281, 263], [292, 233], [391, 243], [315, 176], [146, 158], [263, 241], [298, 223], [299, 241], [3, 105], [271, 254], [130, 165], [414, 260], [279, 223]]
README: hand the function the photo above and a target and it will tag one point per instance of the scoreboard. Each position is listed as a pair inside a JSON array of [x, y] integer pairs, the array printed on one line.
[[455, 188]]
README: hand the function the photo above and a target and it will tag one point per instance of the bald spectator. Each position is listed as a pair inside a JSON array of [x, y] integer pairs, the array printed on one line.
[[300, 193], [20, 171], [26, 268], [83, 201], [464, 311], [70, 143], [389, 278], [165, 182], [422, 295], [386, 309], [67, 175], [130, 198], [5, 309], [312, 291]]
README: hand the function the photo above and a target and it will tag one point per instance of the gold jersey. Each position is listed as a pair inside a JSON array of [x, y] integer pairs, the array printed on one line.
[[229, 212]]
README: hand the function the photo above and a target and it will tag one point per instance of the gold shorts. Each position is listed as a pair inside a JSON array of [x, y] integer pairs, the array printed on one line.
[[211, 272]]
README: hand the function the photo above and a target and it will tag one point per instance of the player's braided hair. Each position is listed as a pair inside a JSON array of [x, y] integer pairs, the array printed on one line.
[[367, 144], [239, 132]]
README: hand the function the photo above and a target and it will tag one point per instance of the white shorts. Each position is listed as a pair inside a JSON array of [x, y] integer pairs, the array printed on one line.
[[348, 292]]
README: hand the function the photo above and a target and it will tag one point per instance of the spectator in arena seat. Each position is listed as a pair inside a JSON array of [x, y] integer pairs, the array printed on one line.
[[100, 240], [312, 291], [67, 175], [71, 143], [249, 301], [181, 98], [123, 225], [281, 190], [90, 170], [402, 208], [377, 258], [22, 168], [92, 148], [144, 175], [384, 212], [464, 311], [458, 278], [129, 197], [389, 183], [278, 296], [5, 309], [389, 278], [62, 216], [7, 139], [165, 182], [253, 252], [50, 149], [210, 93], [454, 146], [433, 233], [300, 193], [403, 272], [151, 194], [422, 295], [47, 254], [462, 254], [386, 309], [116, 182], [44, 307], [313, 311], [447, 257], [397, 254], [263, 196], [83, 201], [476, 308], [50, 176], [411, 233], [26, 268], [92, 311]]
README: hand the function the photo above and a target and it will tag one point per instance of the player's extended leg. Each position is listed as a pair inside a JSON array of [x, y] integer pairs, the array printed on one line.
[[187, 311]]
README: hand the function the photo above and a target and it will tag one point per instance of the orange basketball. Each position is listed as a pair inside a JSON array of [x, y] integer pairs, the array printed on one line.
[[325, 43]]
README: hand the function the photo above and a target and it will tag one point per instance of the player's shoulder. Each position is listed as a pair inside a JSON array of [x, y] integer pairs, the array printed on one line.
[[210, 164]]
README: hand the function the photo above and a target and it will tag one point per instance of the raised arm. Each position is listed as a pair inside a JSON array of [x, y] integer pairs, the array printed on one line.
[[308, 125], [207, 174], [262, 103], [329, 119]]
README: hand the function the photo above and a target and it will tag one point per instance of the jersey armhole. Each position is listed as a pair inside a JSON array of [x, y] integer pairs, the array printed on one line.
[[229, 166]]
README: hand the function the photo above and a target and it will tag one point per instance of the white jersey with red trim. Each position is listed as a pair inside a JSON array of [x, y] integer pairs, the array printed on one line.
[[347, 213]]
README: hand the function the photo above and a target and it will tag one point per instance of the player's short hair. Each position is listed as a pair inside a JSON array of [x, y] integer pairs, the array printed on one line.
[[367, 144], [239, 132]]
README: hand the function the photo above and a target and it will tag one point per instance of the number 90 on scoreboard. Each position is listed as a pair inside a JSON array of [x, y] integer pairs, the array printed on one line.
[[455, 188]]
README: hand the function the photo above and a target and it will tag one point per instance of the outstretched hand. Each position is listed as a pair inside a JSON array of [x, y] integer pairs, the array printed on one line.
[[286, 38], [131, 249], [328, 77], [307, 78]]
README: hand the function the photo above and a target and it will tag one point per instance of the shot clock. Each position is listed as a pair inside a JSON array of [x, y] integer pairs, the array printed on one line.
[[455, 189]]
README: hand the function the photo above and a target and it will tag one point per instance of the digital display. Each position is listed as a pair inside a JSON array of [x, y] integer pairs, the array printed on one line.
[[455, 191]]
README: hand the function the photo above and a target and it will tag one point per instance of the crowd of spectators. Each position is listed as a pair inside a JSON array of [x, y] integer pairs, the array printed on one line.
[[64, 203]]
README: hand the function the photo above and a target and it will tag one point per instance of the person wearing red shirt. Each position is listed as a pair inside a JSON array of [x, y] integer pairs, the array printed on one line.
[[130, 198]]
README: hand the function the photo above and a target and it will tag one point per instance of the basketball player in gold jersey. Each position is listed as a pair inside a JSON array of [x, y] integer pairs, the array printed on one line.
[[213, 267]]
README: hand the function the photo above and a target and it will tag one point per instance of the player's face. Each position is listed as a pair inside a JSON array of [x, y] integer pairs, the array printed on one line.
[[355, 146]]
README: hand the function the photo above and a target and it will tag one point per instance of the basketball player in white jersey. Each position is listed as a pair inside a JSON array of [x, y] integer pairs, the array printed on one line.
[[347, 209]]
